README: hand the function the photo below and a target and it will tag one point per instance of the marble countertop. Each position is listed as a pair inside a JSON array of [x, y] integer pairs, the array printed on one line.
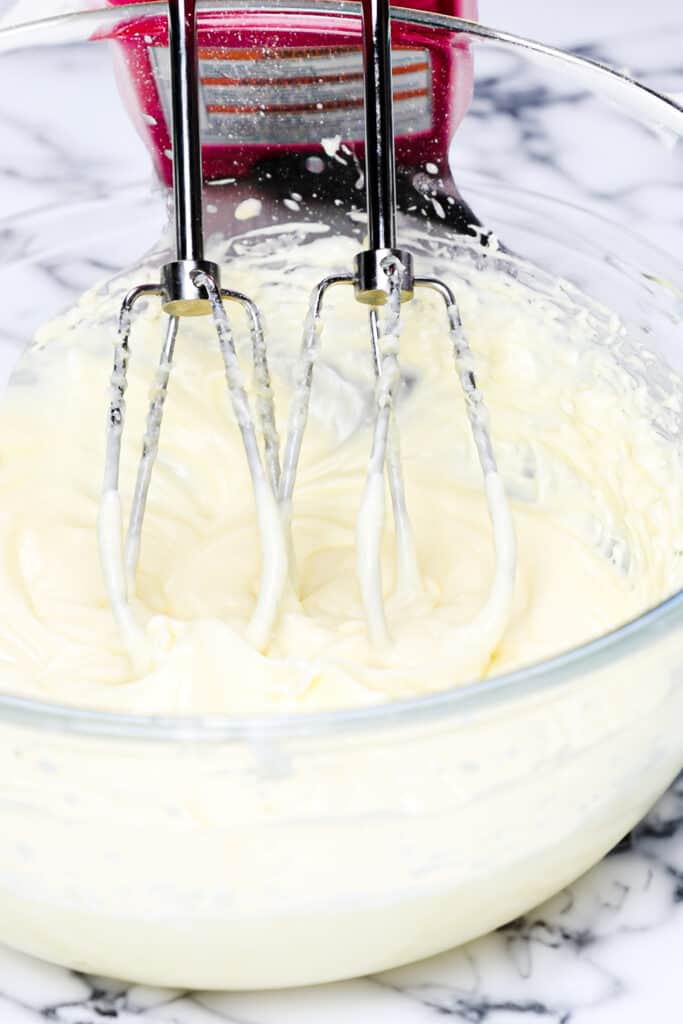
[[607, 949]]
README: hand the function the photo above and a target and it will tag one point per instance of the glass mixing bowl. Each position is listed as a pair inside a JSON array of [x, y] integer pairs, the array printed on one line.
[[271, 851]]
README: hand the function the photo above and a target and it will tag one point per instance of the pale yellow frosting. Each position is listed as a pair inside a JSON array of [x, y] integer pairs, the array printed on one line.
[[590, 461]]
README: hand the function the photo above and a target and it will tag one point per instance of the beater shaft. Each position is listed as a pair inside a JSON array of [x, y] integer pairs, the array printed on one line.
[[187, 149], [380, 160], [181, 294]]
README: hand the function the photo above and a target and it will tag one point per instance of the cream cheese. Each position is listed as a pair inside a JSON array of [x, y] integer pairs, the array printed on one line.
[[595, 487]]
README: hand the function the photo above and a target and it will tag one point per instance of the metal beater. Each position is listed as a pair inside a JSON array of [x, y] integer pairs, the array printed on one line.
[[189, 286], [383, 278]]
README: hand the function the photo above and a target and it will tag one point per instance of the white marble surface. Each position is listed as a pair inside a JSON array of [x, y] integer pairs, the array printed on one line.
[[608, 949]]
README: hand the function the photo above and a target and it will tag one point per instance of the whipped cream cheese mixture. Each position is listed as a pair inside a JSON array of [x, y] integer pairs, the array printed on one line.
[[588, 451]]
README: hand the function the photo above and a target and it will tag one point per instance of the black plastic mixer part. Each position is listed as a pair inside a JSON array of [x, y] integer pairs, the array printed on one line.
[[424, 197]]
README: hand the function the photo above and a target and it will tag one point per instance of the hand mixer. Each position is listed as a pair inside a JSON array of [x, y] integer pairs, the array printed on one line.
[[383, 278]]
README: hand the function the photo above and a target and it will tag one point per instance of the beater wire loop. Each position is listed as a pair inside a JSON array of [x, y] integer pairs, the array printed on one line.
[[264, 391], [150, 447], [303, 383], [408, 580], [370, 526], [273, 545]]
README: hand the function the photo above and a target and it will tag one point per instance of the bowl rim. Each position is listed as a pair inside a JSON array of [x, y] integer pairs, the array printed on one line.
[[465, 699]]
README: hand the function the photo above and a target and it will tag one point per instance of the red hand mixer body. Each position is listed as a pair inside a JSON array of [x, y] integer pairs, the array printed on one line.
[[276, 90]]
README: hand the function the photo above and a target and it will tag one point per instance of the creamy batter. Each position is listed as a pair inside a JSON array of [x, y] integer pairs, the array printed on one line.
[[270, 859], [594, 481]]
